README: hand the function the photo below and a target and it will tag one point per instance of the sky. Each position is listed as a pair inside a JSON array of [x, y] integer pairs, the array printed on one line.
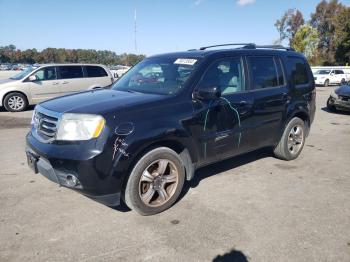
[[162, 25]]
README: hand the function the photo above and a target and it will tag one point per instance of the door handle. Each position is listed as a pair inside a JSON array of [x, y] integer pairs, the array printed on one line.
[[55, 83], [244, 103], [65, 82]]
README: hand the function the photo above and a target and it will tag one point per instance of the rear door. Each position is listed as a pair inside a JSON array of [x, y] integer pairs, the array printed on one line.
[[270, 94], [46, 86], [71, 79]]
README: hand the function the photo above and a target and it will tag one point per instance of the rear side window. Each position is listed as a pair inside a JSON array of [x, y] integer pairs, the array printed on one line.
[[339, 72], [264, 72], [95, 71], [67, 72], [299, 72]]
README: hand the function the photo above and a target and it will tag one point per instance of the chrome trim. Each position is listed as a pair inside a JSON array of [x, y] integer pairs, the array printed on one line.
[[37, 133]]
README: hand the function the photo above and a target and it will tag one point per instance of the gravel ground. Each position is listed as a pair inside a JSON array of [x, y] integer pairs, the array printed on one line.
[[249, 208]]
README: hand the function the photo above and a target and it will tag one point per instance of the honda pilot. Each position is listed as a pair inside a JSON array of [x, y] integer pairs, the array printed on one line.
[[141, 140]]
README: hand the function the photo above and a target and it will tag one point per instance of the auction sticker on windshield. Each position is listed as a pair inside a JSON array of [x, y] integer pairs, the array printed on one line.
[[185, 61]]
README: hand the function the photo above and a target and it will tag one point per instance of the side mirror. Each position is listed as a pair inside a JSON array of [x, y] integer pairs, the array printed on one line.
[[32, 78], [332, 74], [208, 93]]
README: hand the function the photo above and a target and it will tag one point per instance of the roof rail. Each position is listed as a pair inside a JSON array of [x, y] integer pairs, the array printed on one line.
[[249, 46], [246, 45], [275, 47]]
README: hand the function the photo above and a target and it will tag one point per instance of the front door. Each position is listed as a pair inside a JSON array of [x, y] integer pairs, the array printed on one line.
[[221, 125], [45, 86]]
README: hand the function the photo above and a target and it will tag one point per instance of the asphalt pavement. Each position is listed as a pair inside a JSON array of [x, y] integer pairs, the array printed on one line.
[[249, 208]]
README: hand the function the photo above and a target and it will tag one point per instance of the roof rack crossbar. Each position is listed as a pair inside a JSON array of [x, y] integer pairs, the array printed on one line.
[[247, 45]]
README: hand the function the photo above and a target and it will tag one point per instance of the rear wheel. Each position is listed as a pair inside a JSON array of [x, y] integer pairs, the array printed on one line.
[[326, 83], [343, 82], [15, 102], [155, 182], [292, 140]]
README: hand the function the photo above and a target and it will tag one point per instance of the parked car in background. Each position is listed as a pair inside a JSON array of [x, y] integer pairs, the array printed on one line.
[[119, 70], [339, 99], [141, 140], [34, 85], [326, 77]]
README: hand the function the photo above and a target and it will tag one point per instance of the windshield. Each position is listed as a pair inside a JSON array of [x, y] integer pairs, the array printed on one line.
[[323, 72], [23, 73], [163, 75]]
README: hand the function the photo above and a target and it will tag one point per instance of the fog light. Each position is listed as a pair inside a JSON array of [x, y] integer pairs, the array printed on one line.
[[72, 181]]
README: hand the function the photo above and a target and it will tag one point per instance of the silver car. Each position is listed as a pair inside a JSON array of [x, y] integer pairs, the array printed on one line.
[[34, 85]]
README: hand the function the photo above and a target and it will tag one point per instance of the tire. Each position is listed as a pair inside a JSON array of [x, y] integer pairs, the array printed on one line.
[[343, 82], [144, 191], [326, 83], [330, 106], [283, 149], [15, 102]]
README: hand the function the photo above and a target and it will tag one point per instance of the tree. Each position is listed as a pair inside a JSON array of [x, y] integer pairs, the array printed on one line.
[[324, 21], [306, 41], [289, 24], [342, 36]]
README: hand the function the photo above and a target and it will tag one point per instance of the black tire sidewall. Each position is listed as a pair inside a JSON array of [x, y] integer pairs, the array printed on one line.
[[8, 96], [131, 194], [291, 124], [326, 83], [329, 106]]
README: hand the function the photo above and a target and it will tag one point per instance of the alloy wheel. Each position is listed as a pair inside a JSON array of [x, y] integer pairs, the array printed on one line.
[[16, 103], [295, 139], [158, 182]]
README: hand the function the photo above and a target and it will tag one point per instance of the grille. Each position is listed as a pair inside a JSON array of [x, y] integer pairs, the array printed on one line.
[[344, 98], [45, 126]]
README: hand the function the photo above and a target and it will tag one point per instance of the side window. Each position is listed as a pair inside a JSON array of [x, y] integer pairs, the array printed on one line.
[[227, 74], [47, 73], [263, 71], [67, 72], [299, 72], [95, 71], [340, 72]]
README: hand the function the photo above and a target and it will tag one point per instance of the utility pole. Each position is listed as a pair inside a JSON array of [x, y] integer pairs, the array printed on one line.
[[135, 31]]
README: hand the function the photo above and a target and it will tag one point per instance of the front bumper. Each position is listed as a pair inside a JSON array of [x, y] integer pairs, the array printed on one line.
[[320, 81], [84, 170], [340, 103]]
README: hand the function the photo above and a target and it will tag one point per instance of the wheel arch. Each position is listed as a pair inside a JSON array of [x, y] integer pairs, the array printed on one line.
[[20, 92], [177, 146], [303, 115]]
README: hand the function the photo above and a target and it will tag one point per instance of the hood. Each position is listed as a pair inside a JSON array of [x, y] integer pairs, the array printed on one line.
[[5, 81], [99, 101], [343, 90]]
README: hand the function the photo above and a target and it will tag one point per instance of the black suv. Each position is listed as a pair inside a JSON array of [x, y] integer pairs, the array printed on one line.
[[169, 115]]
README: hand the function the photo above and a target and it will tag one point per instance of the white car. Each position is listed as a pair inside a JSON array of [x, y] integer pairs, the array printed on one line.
[[34, 85], [328, 77]]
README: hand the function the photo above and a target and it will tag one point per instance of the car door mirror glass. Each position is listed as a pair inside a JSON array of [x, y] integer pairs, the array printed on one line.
[[33, 78], [208, 93]]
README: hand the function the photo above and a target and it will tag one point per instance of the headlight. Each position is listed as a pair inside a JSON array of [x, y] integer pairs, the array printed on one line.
[[334, 95], [75, 127]]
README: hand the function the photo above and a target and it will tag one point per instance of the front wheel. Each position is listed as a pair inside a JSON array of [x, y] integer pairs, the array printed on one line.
[[292, 140], [15, 102], [155, 182], [330, 105]]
